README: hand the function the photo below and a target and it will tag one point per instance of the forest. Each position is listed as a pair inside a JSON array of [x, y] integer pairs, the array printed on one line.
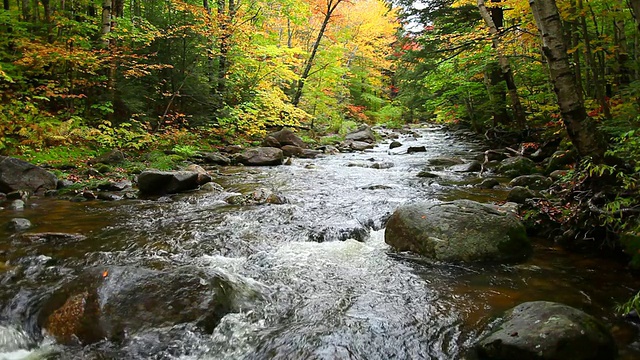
[[78, 77]]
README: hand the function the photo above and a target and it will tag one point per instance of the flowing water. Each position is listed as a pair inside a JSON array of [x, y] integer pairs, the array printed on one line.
[[314, 276]]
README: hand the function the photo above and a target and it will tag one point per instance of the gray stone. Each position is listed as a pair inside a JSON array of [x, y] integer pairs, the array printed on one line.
[[19, 224], [270, 141], [516, 166], [262, 156], [115, 185], [16, 205], [533, 182], [544, 330], [488, 184], [427, 174], [558, 174], [212, 187], [382, 165], [155, 182], [109, 196], [285, 137], [395, 144], [363, 134], [16, 175], [329, 149], [560, 160], [519, 194], [292, 150], [64, 183], [460, 230], [203, 175], [216, 159], [233, 149], [356, 145], [112, 157], [310, 154]]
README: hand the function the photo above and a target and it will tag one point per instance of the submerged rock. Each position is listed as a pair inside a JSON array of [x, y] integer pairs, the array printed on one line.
[[460, 230], [472, 166], [445, 161], [19, 224], [116, 302], [416, 149], [16, 174], [544, 330], [395, 144]]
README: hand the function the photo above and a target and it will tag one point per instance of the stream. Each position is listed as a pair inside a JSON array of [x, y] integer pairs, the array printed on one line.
[[311, 278]]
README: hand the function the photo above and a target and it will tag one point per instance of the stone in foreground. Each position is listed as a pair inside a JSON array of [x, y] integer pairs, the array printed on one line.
[[16, 174], [155, 182], [458, 231], [544, 330]]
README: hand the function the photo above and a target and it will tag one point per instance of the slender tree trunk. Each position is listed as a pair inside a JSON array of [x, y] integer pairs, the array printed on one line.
[[581, 129], [6, 4], [635, 10], [26, 10], [575, 41], [331, 7], [518, 110], [226, 16], [497, 94], [622, 55], [106, 21]]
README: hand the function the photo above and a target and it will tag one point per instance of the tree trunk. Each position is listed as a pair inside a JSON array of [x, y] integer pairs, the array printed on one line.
[[226, 16], [26, 10], [331, 7], [518, 110], [635, 7], [106, 21], [497, 94], [6, 4], [581, 129]]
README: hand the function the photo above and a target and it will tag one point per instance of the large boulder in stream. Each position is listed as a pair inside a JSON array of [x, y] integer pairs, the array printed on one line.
[[461, 230], [261, 156], [282, 138], [113, 303], [544, 330], [363, 134], [16, 174], [516, 166], [156, 182]]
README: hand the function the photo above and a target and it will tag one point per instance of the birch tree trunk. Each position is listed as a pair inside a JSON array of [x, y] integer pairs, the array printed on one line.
[[581, 129], [518, 110], [106, 21]]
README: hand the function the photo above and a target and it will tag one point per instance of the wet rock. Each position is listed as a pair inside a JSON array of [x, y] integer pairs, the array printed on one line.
[[263, 156], [472, 166], [233, 149], [395, 144], [350, 145], [115, 185], [109, 196], [340, 233], [558, 174], [329, 149], [23, 195], [547, 331], [416, 149], [257, 197], [378, 187], [117, 302], [19, 224], [310, 154], [291, 150], [363, 134], [382, 165], [516, 166], [203, 175], [460, 230], [270, 141], [16, 205], [64, 183], [427, 174], [533, 182], [286, 137], [212, 187], [54, 238], [112, 157], [155, 182], [488, 184], [560, 160], [288, 162], [16, 175], [496, 154], [51, 193], [445, 161], [89, 195], [519, 194], [216, 159]]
